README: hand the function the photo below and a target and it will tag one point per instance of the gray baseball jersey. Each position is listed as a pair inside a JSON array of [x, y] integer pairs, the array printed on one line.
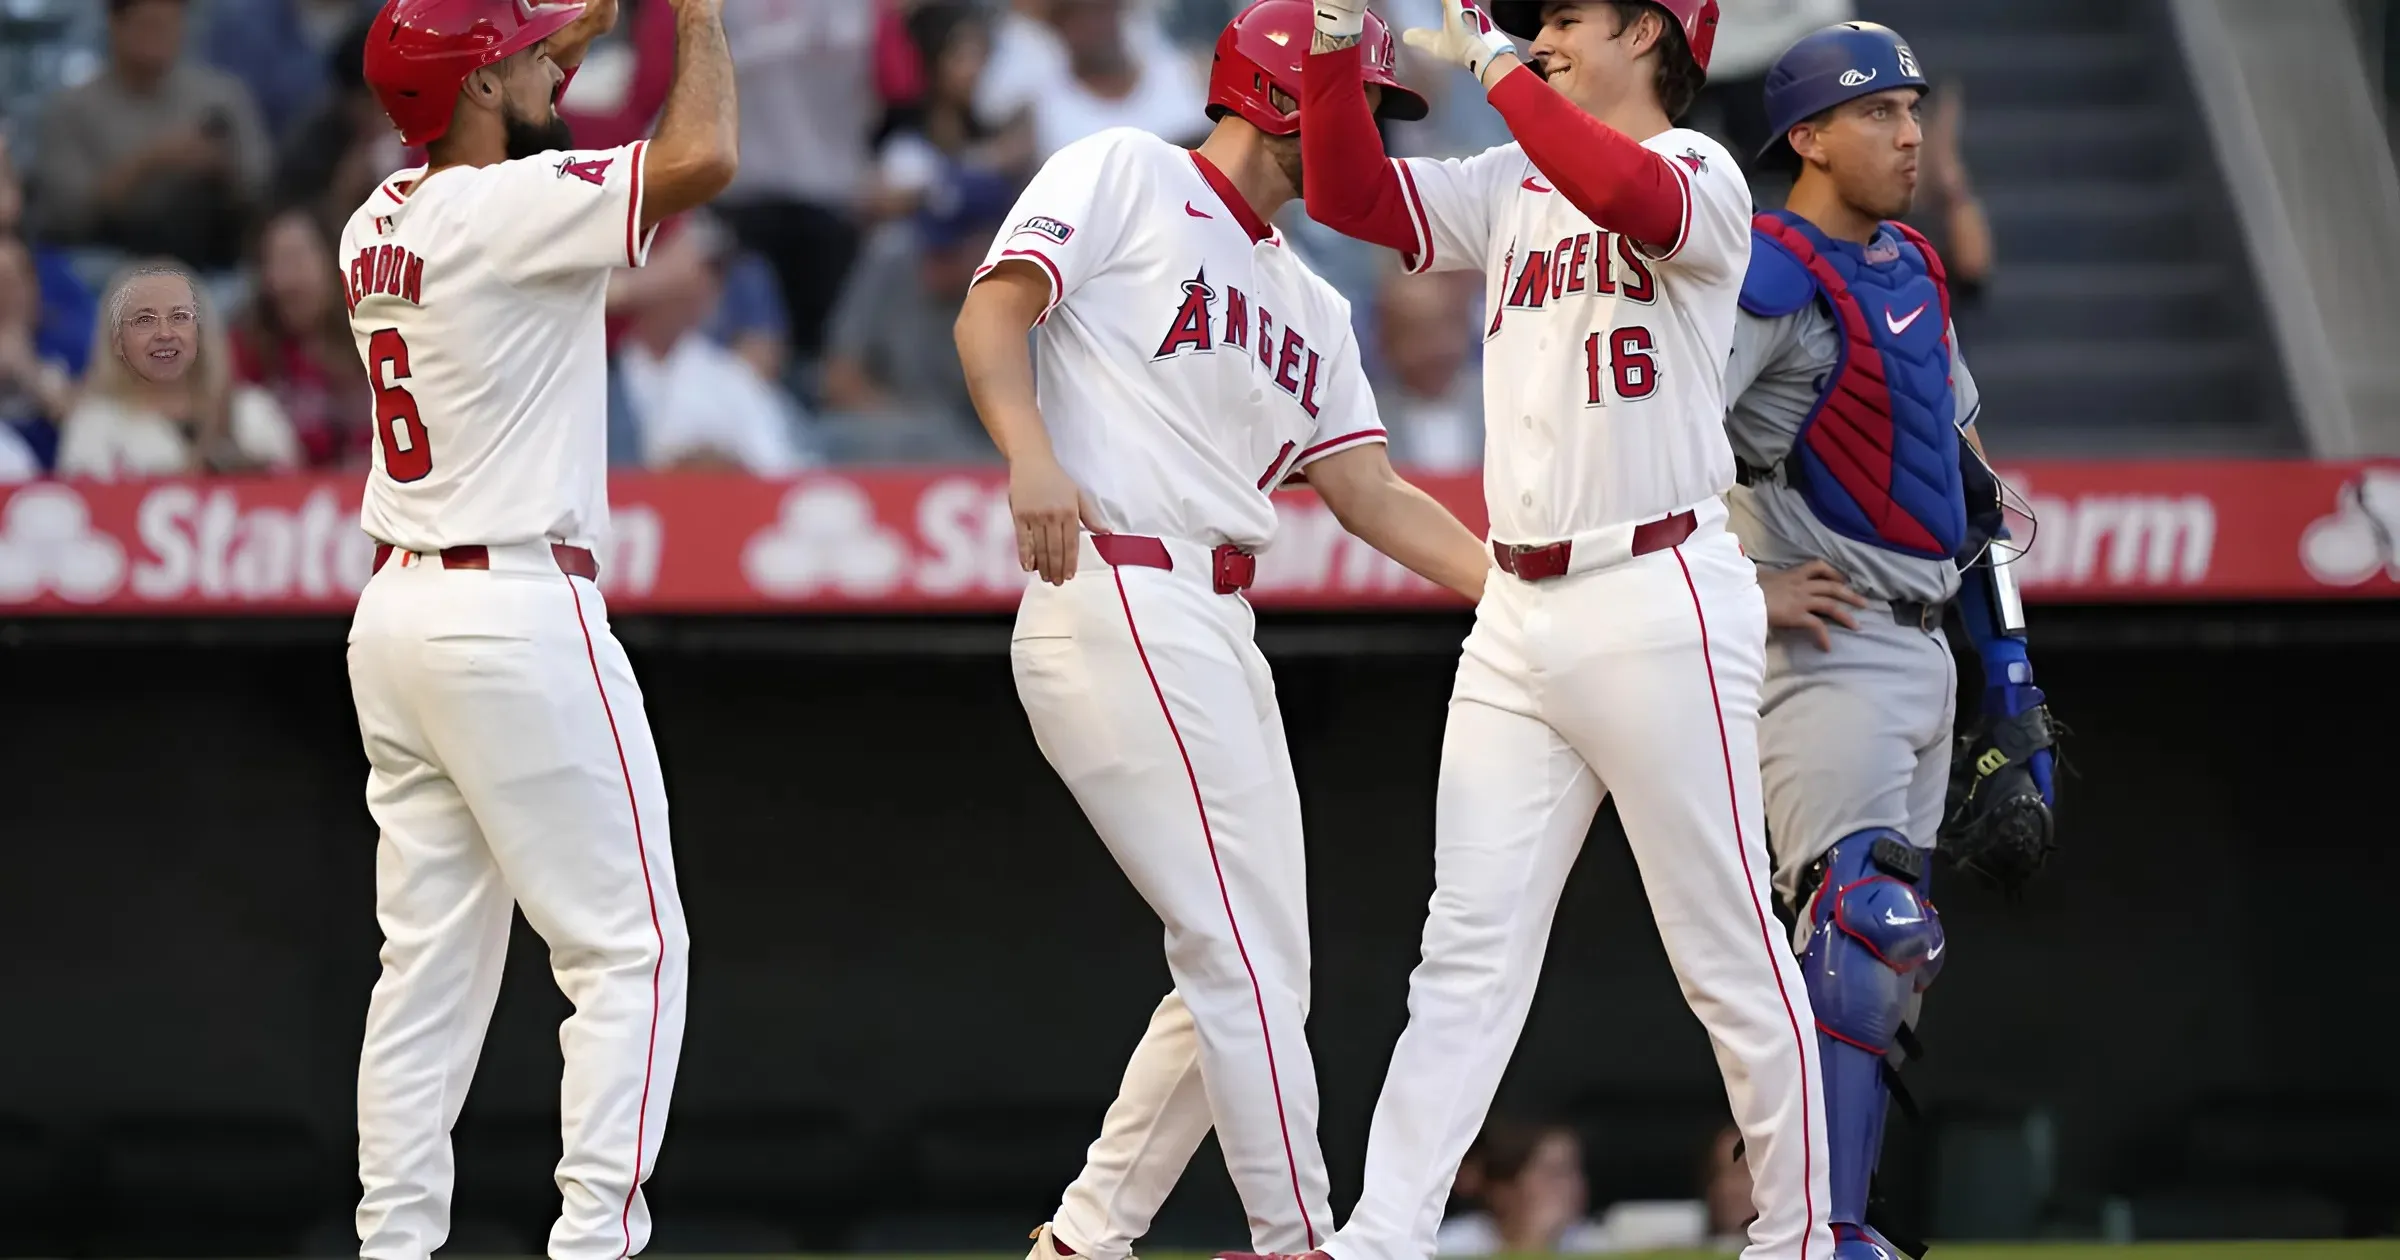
[[1772, 379]]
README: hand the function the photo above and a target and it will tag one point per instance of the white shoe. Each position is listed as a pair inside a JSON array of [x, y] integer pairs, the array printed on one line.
[[1045, 1247]]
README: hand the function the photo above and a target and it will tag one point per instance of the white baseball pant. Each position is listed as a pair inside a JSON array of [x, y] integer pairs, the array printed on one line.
[[510, 763], [1637, 675], [1148, 695]]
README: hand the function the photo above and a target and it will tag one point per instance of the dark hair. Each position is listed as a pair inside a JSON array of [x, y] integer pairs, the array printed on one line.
[[1505, 1147], [116, 8], [1680, 77]]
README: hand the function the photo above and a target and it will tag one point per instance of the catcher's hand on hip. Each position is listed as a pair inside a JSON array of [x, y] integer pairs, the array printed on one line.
[[1466, 36]]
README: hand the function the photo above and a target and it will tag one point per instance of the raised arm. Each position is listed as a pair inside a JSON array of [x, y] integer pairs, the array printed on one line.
[[1601, 171], [697, 147], [1351, 187]]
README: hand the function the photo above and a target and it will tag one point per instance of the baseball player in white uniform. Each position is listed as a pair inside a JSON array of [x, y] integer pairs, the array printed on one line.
[[1621, 651], [1187, 365], [510, 761]]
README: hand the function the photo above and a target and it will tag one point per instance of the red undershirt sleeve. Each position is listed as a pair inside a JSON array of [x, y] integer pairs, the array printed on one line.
[[1601, 171], [1351, 187]]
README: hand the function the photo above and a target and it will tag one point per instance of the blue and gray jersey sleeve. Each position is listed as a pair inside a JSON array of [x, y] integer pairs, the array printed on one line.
[[1774, 377]]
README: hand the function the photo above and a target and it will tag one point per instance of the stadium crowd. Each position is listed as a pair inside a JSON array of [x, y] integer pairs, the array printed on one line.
[[803, 319]]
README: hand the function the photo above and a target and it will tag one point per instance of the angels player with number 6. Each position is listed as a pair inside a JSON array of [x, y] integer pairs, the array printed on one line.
[[509, 760], [1620, 651], [1184, 365]]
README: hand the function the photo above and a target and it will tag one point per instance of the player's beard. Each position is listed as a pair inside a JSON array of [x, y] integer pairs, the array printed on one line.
[[1286, 152], [531, 139]]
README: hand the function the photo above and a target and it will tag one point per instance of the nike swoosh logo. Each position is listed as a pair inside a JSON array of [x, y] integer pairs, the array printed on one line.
[[1533, 185], [1899, 326], [1196, 212]]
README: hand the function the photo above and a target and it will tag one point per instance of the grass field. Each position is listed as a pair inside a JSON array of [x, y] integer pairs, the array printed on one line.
[[2386, 1249]]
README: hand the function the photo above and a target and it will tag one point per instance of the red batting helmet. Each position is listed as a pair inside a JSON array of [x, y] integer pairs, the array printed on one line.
[[1523, 19], [1263, 48], [420, 52]]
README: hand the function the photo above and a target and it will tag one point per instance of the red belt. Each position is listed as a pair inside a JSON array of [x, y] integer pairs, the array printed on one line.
[[1234, 568], [572, 561], [1535, 562]]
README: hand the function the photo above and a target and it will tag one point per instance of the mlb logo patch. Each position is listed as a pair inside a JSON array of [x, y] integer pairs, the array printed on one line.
[[1044, 225]]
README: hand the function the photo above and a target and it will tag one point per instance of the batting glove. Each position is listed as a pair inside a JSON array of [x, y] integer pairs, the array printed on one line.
[[1465, 36], [1341, 19]]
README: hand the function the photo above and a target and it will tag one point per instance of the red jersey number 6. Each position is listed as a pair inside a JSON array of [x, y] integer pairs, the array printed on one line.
[[398, 426]]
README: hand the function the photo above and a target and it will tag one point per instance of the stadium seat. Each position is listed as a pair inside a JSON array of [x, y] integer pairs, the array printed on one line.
[[799, 1172], [38, 1194], [211, 1185], [1993, 1171], [1645, 1145], [1005, 1157], [336, 1238], [507, 1170], [2337, 1146], [2234, 1212]]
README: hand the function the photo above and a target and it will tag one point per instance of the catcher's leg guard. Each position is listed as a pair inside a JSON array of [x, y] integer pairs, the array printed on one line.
[[1874, 943]]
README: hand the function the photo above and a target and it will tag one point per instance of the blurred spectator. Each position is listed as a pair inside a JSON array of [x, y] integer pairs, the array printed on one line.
[[1725, 1181], [694, 403], [1115, 80], [1430, 393], [1751, 34], [63, 323], [943, 129], [813, 75], [1528, 1181], [36, 391], [892, 374], [293, 341], [279, 49], [1027, 58], [126, 426], [1528, 1184], [340, 153], [622, 84], [1948, 212], [151, 156]]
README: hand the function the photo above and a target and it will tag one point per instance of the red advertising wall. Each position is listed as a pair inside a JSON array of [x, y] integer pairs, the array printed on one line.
[[940, 540]]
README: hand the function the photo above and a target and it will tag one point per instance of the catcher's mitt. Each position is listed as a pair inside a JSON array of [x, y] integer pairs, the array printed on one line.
[[1997, 826]]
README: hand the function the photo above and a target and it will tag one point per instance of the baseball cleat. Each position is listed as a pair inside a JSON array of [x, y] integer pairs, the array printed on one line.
[[1857, 1242]]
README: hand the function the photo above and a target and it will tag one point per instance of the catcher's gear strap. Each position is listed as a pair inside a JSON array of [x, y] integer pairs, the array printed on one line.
[[1874, 944]]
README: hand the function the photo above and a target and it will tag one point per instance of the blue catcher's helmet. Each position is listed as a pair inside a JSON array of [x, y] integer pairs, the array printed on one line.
[[1830, 67]]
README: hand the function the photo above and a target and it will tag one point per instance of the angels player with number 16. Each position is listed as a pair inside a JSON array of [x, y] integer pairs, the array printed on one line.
[[1621, 648]]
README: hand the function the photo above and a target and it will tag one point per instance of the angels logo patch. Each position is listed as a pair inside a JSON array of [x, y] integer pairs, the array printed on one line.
[[592, 171], [1044, 225], [1693, 158]]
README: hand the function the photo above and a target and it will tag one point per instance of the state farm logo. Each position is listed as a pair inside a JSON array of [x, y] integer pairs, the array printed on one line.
[[2114, 539], [2362, 536], [47, 544], [826, 536]]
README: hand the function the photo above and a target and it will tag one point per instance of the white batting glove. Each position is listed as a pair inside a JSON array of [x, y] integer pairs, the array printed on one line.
[[1341, 19], [1465, 36]]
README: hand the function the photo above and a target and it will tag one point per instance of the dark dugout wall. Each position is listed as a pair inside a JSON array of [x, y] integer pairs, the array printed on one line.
[[916, 974]]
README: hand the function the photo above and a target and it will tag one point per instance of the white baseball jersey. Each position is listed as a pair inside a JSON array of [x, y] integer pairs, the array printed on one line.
[[1604, 360], [476, 295], [1188, 363]]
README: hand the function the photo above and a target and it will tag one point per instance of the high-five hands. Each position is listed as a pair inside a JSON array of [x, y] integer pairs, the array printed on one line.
[[1466, 36]]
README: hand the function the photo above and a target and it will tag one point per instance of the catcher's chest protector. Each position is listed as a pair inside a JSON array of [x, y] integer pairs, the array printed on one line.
[[1877, 458]]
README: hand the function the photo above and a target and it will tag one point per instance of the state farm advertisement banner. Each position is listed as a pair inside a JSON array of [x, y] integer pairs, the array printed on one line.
[[940, 540]]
